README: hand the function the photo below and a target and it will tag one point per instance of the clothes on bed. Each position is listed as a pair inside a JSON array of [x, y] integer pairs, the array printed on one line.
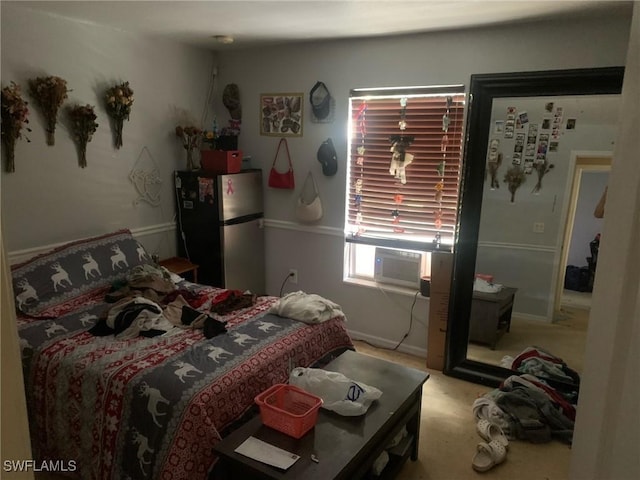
[[144, 280], [307, 308], [181, 314], [194, 299], [131, 317], [232, 300], [174, 312]]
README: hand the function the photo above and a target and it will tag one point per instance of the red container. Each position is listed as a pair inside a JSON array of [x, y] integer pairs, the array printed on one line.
[[288, 409], [488, 278], [221, 161]]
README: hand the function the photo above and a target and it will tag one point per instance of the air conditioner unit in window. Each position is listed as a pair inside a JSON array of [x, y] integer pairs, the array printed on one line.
[[398, 267]]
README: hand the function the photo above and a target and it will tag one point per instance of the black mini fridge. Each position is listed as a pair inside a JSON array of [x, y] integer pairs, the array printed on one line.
[[220, 227]]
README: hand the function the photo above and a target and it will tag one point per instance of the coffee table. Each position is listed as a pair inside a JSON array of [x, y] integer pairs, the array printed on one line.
[[346, 447]]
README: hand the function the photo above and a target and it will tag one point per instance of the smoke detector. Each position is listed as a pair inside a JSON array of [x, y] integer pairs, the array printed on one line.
[[225, 39]]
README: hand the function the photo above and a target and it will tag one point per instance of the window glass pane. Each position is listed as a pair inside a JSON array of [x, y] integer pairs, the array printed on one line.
[[364, 260]]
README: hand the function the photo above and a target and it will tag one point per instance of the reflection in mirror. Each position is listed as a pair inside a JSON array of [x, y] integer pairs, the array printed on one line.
[[533, 139], [519, 299]]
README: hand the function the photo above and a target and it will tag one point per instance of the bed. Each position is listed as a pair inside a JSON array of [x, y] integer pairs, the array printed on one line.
[[144, 407]]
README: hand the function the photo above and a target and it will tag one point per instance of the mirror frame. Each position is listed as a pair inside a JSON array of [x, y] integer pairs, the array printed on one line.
[[482, 90]]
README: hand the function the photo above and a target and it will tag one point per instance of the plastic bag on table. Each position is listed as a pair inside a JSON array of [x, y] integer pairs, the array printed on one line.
[[339, 393]]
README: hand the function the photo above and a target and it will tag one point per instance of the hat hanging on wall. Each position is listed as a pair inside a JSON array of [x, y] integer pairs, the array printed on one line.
[[322, 103], [328, 158], [231, 100]]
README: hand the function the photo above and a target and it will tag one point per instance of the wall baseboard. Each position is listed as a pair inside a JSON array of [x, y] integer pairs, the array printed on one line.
[[533, 318], [384, 343], [18, 256]]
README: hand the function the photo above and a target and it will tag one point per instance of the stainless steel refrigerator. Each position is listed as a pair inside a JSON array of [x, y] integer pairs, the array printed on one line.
[[220, 227]]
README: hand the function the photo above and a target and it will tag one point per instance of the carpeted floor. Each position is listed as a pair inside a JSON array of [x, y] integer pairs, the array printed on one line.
[[448, 438], [565, 338]]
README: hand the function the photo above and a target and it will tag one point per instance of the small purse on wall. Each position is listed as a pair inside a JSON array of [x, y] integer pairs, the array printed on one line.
[[311, 211], [282, 180]]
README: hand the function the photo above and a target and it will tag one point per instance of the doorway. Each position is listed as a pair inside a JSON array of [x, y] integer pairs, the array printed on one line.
[[588, 181]]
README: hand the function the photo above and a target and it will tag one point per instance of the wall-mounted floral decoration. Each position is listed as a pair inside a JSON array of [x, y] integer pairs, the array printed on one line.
[[542, 168], [83, 126], [49, 94], [514, 177], [190, 137], [14, 118], [119, 99]]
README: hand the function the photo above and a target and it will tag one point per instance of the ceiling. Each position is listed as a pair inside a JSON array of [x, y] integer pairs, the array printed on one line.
[[266, 22]]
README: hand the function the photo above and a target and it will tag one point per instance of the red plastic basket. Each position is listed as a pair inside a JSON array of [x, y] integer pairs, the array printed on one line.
[[288, 409]]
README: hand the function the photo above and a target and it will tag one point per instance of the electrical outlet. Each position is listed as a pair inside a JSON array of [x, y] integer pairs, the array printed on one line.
[[538, 227], [293, 275]]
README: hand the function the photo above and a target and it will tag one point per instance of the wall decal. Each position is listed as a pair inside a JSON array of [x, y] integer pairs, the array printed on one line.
[[145, 176]]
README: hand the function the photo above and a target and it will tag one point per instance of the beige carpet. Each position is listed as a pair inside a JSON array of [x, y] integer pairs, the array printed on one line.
[[565, 338], [448, 438]]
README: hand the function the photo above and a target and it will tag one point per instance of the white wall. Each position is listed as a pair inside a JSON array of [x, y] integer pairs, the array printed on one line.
[[434, 59], [49, 199], [506, 228], [607, 437]]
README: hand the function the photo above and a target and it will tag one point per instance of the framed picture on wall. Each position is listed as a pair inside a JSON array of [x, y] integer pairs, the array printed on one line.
[[281, 114]]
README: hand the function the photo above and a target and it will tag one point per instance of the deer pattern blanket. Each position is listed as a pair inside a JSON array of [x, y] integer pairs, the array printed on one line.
[[153, 408]]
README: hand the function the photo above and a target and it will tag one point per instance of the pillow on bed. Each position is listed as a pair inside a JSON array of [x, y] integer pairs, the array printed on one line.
[[56, 282]]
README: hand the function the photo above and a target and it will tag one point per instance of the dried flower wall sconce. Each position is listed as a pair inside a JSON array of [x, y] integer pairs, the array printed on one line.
[[190, 137], [49, 94], [83, 126], [514, 177], [119, 99], [14, 118]]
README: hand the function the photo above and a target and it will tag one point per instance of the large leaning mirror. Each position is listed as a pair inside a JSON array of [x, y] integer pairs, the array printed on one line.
[[539, 147]]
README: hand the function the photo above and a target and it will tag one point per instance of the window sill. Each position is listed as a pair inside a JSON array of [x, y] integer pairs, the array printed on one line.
[[385, 287]]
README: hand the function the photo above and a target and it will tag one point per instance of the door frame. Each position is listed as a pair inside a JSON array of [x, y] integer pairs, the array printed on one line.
[[580, 162]]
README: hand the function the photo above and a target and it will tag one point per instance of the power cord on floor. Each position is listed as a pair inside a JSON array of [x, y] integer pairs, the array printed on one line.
[[180, 229], [289, 275], [415, 297], [384, 292]]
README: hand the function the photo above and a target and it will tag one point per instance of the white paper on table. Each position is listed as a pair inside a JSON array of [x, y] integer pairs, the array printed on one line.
[[266, 453]]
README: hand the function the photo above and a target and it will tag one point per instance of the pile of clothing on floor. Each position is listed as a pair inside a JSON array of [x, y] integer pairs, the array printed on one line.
[[542, 364], [537, 405]]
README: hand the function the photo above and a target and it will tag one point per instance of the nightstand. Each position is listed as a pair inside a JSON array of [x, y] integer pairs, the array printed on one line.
[[179, 265], [491, 315]]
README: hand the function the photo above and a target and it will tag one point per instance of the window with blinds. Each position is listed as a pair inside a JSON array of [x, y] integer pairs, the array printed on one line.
[[405, 148]]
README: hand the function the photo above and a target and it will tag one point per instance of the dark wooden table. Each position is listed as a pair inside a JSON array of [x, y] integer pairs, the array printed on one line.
[[345, 446]]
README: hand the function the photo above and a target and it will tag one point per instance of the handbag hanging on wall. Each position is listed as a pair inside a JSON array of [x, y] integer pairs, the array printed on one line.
[[309, 211], [282, 180]]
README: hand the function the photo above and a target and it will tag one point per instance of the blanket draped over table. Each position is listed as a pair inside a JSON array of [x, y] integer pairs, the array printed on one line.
[[153, 408]]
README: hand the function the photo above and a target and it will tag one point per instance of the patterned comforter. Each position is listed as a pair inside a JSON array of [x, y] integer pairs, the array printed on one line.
[[153, 408]]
